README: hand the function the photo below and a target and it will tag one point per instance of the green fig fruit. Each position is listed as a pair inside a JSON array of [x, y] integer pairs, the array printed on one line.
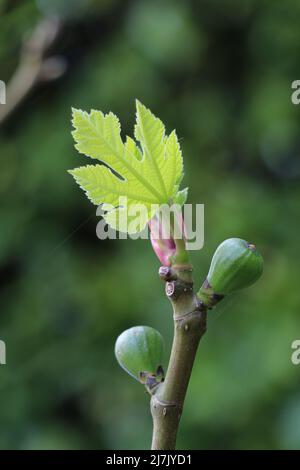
[[139, 352], [235, 265]]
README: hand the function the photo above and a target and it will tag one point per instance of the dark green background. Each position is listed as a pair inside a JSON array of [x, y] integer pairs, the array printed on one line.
[[221, 73]]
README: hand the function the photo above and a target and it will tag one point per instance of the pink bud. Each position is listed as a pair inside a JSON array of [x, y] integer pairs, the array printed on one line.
[[163, 250], [163, 244]]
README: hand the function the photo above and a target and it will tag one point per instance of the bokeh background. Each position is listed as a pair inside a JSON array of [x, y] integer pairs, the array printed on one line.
[[221, 73]]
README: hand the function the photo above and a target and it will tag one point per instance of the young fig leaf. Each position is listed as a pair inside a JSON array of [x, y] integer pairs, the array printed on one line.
[[144, 175]]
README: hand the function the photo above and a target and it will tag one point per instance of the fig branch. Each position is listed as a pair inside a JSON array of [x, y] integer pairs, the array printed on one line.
[[189, 316], [236, 264], [151, 170]]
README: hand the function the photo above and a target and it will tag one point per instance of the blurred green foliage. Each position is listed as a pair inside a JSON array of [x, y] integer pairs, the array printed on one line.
[[221, 73]]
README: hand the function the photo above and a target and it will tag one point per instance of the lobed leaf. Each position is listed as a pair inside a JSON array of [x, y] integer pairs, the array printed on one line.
[[147, 176]]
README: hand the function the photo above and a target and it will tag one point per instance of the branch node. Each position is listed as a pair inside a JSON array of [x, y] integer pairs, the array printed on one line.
[[167, 274], [170, 289]]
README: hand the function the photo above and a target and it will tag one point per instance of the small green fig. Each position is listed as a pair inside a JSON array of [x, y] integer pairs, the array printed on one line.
[[236, 264], [139, 352]]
